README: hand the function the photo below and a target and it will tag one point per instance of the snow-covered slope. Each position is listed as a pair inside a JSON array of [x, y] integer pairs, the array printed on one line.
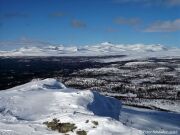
[[23, 109], [150, 121], [106, 48]]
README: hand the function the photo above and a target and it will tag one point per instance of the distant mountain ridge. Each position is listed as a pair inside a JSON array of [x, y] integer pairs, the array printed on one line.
[[105, 48]]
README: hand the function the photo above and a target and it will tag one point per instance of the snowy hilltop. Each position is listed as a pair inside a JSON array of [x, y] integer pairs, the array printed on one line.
[[105, 48], [25, 108], [40, 106]]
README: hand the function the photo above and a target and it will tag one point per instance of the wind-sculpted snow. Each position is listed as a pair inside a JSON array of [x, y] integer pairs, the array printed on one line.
[[98, 105], [24, 108], [134, 50]]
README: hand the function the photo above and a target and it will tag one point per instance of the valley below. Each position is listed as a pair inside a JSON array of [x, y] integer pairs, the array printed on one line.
[[152, 83]]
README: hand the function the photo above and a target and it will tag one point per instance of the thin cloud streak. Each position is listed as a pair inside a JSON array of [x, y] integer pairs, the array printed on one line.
[[167, 3], [57, 14], [164, 26], [13, 15], [128, 21], [78, 24], [111, 30]]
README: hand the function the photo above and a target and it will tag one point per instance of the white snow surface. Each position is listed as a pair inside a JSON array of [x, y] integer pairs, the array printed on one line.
[[151, 122], [131, 50], [24, 108]]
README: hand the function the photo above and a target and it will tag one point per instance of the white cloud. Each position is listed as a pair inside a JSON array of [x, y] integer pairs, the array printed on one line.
[[164, 26], [173, 2], [167, 3]]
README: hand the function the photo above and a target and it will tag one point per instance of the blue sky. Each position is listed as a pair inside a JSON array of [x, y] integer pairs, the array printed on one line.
[[80, 22]]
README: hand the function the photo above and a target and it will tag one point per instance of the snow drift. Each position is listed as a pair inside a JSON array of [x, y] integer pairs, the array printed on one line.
[[24, 108]]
